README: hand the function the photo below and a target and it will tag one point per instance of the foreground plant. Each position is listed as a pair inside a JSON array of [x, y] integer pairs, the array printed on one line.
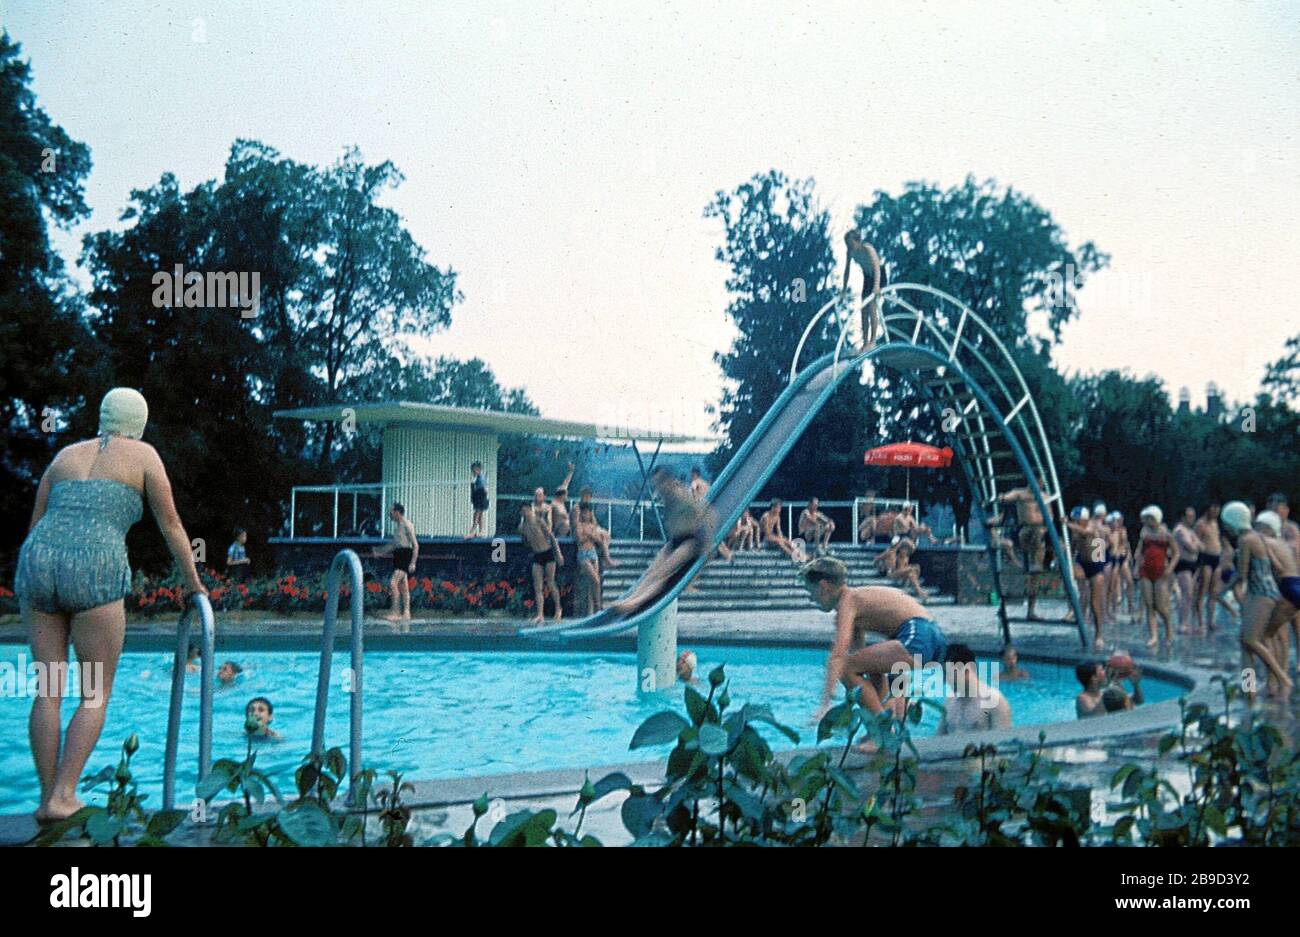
[[124, 818]]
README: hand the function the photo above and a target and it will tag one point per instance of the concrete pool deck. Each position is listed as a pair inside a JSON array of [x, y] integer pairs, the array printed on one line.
[[1090, 750]]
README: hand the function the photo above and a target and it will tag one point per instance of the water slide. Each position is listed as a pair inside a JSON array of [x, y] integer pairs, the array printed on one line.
[[733, 490]]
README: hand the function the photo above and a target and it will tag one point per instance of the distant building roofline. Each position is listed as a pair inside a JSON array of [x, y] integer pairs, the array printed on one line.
[[498, 421]]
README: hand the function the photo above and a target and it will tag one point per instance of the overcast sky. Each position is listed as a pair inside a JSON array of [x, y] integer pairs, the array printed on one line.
[[559, 156]]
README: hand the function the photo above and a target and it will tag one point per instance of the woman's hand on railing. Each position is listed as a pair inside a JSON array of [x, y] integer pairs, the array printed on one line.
[[195, 587]]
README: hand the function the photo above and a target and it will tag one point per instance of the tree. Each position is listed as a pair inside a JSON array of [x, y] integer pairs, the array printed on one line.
[[1002, 255], [45, 349], [781, 271], [340, 282]]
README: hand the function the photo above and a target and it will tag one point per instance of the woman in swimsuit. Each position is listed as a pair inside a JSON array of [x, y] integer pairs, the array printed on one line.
[[1089, 542], [1262, 595], [73, 574], [1158, 553], [585, 532]]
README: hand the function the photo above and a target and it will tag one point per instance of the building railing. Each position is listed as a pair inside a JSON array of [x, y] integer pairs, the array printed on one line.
[[345, 517]]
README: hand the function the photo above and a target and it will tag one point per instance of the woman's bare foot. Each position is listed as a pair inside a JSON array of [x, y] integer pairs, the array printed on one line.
[[1098, 645], [393, 618], [1154, 642], [52, 811]]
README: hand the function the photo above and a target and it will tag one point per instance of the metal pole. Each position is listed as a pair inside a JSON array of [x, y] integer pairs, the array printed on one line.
[[335, 535], [353, 563], [293, 510], [207, 632], [855, 521]]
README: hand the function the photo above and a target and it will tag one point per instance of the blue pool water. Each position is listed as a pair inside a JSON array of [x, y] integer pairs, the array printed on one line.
[[444, 714]]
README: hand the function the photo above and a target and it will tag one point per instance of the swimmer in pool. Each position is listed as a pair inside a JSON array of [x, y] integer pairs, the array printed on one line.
[[1011, 669], [228, 673], [686, 665], [971, 706], [259, 712], [912, 639]]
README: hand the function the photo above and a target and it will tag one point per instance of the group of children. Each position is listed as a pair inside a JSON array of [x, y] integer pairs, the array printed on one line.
[[542, 523]]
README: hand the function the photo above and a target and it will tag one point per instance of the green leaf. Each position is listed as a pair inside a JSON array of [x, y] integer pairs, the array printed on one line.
[[101, 828], [162, 823], [717, 676], [217, 780], [713, 739], [306, 824], [698, 708], [659, 729]]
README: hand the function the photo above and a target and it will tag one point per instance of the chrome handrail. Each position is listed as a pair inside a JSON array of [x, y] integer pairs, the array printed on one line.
[[207, 630], [357, 608]]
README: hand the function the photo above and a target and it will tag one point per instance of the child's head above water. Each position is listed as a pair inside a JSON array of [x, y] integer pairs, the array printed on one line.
[[228, 671], [260, 709]]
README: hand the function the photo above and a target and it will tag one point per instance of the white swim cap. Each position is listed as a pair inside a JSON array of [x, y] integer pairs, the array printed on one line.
[[123, 412], [1153, 511], [1079, 514], [1114, 516], [1271, 520], [1099, 509], [1235, 516]]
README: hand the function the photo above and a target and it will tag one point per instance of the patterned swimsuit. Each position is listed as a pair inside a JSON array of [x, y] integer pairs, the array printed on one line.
[[74, 559]]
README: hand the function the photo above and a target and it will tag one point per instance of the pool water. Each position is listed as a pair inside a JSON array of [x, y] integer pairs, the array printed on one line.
[[449, 714]]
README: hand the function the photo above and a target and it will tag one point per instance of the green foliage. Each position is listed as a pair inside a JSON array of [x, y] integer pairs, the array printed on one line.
[[123, 821], [47, 354], [781, 270], [1241, 785]]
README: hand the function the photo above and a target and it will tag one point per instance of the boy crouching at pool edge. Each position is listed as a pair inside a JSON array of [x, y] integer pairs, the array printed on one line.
[[912, 639]]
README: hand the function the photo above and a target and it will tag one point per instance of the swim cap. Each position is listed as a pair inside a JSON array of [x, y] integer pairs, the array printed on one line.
[[1099, 509], [1079, 514], [1114, 516], [1152, 511], [123, 412], [1270, 520], [1235, 516]]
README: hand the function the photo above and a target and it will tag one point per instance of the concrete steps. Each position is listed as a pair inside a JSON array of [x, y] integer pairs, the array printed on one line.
[[754, 580]]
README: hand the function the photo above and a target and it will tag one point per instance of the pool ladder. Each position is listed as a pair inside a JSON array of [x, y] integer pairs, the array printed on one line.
[[207, 632], [349, 559]]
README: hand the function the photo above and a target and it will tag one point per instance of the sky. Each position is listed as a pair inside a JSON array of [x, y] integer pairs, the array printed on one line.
[[559, 156]]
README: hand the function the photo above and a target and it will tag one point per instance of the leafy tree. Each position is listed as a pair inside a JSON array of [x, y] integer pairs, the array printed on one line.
[[1004, 256], [781, 271], [45, 349], [341, 280]]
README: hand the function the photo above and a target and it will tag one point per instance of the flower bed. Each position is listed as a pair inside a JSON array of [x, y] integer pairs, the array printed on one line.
[[289, 593]]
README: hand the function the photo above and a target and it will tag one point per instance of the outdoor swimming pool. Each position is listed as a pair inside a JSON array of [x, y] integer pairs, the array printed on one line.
[[445, 714]]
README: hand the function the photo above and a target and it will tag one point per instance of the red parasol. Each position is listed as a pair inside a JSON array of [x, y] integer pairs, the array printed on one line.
[[910, 455]]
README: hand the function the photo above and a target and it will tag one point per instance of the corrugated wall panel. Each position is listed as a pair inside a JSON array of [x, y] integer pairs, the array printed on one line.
[[418, 457]]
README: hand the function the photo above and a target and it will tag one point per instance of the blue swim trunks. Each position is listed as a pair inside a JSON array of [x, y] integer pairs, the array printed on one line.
[[922, 638]]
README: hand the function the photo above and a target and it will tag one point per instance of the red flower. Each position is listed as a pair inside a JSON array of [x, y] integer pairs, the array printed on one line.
[[374, 587]]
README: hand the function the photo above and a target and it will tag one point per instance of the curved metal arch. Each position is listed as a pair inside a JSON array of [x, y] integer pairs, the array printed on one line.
[[832, 382], [926, 324]]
